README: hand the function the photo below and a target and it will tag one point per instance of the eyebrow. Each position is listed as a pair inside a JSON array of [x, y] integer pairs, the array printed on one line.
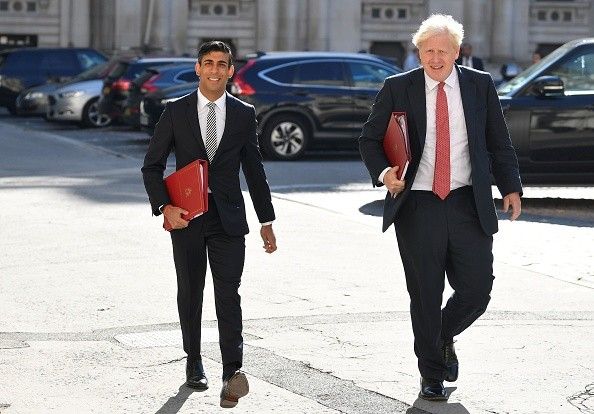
[[212, 61]]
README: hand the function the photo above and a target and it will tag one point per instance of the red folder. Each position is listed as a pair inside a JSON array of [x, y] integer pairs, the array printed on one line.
[[188, 189], [396, 144]]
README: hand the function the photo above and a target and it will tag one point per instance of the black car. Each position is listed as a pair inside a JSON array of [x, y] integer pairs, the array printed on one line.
[[310, 98], [117, 85], [23, 68], [153, 104], [549, 109], [151, 80]]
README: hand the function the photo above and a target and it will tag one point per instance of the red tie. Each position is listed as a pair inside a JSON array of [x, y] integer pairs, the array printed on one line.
[[441, 177]]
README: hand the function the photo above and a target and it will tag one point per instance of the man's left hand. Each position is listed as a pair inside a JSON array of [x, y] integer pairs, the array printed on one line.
[[268, 237], [512, 200]]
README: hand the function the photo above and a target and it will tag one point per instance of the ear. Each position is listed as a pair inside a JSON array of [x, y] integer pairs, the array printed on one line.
[[197, 67], [231, 71]]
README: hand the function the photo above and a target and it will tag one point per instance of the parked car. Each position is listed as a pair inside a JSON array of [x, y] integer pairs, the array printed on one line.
[[153, 104], [310, 98], [23, 68], [78, 102], [151, 80], [549, 109], [117, 85], [34, 100]]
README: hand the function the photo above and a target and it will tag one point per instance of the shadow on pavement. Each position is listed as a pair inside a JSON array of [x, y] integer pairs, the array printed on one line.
[[175, 403], [575, 213]]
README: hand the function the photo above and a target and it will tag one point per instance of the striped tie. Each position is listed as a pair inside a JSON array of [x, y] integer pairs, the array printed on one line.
[[211, 131]]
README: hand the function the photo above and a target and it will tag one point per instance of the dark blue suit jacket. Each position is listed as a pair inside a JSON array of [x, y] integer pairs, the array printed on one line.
[[490, 147], [179, 129]]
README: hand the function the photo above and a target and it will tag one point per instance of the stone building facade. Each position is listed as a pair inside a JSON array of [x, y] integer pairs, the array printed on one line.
[[500, 31]]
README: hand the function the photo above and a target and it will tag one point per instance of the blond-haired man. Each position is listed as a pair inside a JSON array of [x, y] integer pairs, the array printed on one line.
[[443, 209]]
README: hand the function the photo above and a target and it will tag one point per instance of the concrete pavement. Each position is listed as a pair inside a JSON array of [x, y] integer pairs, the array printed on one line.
[[89, 320]]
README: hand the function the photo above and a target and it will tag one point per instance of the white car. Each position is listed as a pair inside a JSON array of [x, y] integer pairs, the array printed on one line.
[[78, 102]]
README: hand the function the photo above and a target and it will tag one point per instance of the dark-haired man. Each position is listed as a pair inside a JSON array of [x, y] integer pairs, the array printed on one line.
[[212, 125]]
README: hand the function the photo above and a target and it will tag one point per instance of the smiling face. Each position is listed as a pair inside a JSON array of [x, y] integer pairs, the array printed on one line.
[[214, 71], [438, 54]]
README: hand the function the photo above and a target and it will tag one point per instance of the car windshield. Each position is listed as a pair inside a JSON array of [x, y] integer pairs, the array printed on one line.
[[95, 72], [519, 80]]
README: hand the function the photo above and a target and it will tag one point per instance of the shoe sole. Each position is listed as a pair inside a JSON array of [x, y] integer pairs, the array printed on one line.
[[237, 387], [435, 398], [197, 386]]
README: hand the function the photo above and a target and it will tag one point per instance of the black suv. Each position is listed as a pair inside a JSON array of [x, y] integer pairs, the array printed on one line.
[[23, 68], [549, 109], [306, 98]]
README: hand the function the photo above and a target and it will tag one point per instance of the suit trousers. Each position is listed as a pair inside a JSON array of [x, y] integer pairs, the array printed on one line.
[[437, 238], [205, 240]]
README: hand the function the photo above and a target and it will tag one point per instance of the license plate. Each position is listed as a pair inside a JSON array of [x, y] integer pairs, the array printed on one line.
[[106, 90], [143, 120]]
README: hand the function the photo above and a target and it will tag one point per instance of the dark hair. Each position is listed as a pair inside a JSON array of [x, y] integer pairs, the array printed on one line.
[[214, 46]]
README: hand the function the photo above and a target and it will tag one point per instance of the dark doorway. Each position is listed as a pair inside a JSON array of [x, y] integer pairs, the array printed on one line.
[[394, 50]]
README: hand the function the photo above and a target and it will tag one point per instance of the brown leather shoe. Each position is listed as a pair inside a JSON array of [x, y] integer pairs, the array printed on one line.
[[234, 388]]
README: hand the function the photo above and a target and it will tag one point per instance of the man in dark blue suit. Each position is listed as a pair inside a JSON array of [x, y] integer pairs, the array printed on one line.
[[443, 209], [212, 125], [466, 58]]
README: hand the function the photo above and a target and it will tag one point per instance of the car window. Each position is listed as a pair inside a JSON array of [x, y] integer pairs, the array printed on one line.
[[285, 74], [187, 76], [59, 62], [23, 62], [577, 73], [321, 73], [88, 59], [368, 75]]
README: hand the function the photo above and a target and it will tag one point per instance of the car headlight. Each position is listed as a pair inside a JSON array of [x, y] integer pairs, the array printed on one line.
[[70, 94], [34, 95]]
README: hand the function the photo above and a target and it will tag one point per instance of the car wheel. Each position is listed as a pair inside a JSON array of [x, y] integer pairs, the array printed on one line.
[[285, 137], [91, 117]]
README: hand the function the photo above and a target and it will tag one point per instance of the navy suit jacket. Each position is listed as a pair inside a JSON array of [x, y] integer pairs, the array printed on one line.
[[490, 148], [179, 129]]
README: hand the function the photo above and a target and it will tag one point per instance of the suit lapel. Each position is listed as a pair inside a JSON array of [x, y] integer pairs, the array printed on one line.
[[192, 117], [468, 94], [416, 99]]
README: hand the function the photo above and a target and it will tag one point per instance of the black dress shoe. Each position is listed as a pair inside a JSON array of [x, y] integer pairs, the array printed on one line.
[[195, 376], [432, 390], [451, 361], [234, 387]]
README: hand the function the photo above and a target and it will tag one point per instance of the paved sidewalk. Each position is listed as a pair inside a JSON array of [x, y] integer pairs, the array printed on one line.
[[89, 320]]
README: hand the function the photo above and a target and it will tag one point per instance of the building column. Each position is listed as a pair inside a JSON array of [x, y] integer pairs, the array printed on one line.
[[477, 27], [169, 27], [502, 30], [345, 25], [266, 27]]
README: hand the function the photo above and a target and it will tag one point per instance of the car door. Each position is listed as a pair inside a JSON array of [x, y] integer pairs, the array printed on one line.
[[321, 87], [562, 128], [366, 79]]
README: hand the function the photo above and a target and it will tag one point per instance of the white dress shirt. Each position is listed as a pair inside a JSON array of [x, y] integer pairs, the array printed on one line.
[[220, 111], [460, 168]]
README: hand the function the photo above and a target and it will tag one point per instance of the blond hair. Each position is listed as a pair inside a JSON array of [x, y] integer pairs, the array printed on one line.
[[439, 24]]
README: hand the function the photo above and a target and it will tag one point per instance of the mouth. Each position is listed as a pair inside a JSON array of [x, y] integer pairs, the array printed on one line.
[[214, 79], [436, 67]]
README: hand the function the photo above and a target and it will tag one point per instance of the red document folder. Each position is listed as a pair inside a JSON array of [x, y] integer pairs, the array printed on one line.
[[188, 189], [396, 144]]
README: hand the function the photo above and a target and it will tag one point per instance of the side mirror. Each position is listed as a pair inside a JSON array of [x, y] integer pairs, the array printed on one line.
[[548, 86]]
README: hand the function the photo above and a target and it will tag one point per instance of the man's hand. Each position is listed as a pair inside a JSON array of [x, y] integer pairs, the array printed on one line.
[[268, 237], [392, 183], [513, 200], [173, 215]]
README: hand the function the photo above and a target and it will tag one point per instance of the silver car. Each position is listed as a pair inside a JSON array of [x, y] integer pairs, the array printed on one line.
[[78, 102]]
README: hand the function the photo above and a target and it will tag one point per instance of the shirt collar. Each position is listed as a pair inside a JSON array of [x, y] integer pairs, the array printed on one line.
[[451, 81], [203, 101]]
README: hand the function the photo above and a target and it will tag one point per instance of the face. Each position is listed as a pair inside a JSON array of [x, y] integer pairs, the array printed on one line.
[[438, 54], [214, 71]]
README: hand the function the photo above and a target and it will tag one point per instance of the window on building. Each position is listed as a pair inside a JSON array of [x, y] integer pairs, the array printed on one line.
[[218, 9], [3, 6], [541, 15], [402, 13], [375, 12], [389, 13], [31, 6], [567, 17], [231, 10], [17, 6], [204, 9]]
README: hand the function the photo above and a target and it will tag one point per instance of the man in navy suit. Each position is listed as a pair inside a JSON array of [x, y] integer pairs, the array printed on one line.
[[212, 125], [466, 58], [443, 209]]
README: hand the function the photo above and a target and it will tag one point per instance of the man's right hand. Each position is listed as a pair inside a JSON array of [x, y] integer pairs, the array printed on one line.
[[173, 215], [392, 183]]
